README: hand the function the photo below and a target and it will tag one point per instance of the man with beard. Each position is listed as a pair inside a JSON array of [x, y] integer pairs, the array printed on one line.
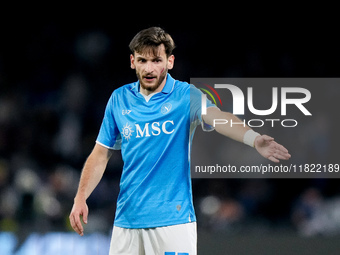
[[153, 121]]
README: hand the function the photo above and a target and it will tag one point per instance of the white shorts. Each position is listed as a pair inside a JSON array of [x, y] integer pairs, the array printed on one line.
[[172, 240]]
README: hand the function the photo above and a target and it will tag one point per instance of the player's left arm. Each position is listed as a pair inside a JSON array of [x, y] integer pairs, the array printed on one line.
[[264, 144]]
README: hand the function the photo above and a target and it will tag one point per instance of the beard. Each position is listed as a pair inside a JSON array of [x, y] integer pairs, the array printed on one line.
[[152, 87]]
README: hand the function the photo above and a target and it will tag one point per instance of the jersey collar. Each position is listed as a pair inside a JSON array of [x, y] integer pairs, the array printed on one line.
[[169, 85]]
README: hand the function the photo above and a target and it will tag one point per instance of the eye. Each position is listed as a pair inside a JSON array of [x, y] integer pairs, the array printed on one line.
[[141, 60]]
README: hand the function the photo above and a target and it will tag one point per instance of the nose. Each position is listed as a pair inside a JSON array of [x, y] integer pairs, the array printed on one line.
[[148, 67]]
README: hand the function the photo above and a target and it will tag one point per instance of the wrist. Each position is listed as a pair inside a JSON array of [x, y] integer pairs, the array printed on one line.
[[80, 197], [249, 137]]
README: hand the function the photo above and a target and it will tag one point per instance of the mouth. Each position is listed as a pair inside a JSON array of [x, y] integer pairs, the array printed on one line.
[[149, 78]]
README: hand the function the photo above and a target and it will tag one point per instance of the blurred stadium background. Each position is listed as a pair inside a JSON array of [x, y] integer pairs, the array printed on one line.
[[55, 80]]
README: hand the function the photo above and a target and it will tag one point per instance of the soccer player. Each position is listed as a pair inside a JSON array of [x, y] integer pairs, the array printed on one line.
[[152, 121]]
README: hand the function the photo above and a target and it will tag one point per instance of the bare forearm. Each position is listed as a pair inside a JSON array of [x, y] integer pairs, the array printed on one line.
[[226, 124], [93, 171], [90, 177], [234, 129], [265, 145]]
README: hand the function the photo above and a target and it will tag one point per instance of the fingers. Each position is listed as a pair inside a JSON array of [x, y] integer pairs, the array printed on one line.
[[278, 153], [282, 152], [76, 224], [277, 157], [85, 217], [75, 219], [272, 158], [270, 149]]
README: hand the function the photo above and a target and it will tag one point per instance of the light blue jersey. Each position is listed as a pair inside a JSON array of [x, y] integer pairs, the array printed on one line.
[[154, 134]]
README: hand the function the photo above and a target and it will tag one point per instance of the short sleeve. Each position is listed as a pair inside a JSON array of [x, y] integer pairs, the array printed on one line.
[[196, 108], [109, 135]]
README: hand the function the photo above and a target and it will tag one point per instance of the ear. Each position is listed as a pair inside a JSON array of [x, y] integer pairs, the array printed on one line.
[[132, 61], [171, 62]]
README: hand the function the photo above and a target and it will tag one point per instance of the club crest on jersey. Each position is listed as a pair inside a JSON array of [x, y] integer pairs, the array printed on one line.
[[127, 131], [166, 108]]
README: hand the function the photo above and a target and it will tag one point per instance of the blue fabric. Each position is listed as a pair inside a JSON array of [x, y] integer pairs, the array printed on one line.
[[154, 135]]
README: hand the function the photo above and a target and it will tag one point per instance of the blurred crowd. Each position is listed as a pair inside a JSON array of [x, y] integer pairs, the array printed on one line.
[[55, 81]]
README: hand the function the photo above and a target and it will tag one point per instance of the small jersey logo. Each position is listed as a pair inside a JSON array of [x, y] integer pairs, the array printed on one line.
[[124, 112], [166, 108], [127, 131]]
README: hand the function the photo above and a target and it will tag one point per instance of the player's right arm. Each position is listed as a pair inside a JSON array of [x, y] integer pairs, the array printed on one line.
[[91, 175]]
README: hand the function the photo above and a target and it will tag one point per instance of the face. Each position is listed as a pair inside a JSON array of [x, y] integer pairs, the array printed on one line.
[[151, 69]]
